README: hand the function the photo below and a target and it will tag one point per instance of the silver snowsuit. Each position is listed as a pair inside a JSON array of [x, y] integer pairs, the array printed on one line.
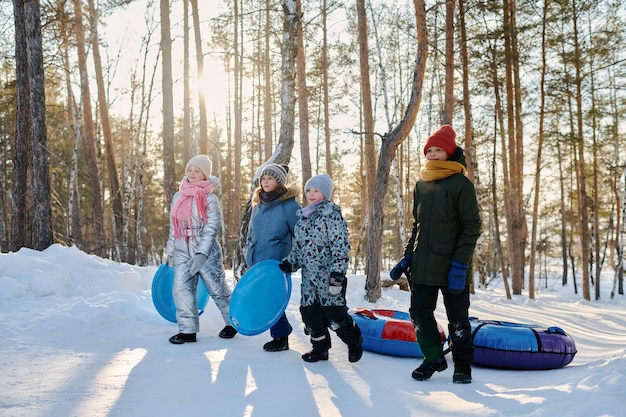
[[202, 238]]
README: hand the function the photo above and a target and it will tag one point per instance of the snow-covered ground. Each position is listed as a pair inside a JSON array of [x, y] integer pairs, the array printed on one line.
[[81, 337]]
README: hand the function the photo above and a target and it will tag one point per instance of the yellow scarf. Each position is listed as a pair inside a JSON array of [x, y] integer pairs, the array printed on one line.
[[436, 170]]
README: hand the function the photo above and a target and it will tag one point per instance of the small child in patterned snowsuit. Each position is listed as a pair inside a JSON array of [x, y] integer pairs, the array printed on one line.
[[322, 250]]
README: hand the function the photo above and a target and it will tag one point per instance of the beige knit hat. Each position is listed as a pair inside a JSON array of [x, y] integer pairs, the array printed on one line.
[[203, 162]]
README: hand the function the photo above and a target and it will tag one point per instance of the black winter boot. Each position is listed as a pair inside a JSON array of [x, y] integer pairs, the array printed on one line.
[[180, 338], [277, 345], [315, 356], [462, 375], [426, 370], [355, 350], [228, 332]]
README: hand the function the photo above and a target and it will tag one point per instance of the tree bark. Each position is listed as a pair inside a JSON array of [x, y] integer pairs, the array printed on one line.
[[282, 153], [516, 223], [387, 154], [114, 182], [583, 215], [187, 144], [21, 217], [542, 106], [202, 120], [169, 171], [99, 242], [448, 102], [303, 95]]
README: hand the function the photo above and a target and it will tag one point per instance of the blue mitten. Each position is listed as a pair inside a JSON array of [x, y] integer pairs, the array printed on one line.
[[198, 262], [401, 267], [456, 277], [336, 282]]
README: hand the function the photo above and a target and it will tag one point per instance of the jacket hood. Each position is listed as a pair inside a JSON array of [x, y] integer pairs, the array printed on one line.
[[459, 156], [291, 193]]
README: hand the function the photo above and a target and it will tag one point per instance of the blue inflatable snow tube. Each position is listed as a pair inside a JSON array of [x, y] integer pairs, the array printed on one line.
[[389, 332], [162, 297], [506, 345]]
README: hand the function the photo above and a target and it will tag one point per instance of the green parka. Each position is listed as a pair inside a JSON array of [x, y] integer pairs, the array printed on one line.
[[446, 227]]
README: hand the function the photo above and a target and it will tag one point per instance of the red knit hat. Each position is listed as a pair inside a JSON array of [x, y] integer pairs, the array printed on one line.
[[442, 138]]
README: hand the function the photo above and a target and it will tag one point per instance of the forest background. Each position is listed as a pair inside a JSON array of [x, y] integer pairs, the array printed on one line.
[[103, 102]]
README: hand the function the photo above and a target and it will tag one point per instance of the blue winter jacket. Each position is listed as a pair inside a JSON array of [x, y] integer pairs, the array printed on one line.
[[270, 231]]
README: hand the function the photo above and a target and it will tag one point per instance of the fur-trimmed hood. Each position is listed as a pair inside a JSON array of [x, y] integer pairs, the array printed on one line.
[[291, 193]]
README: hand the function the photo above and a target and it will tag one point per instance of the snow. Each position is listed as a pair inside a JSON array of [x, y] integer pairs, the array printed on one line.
[[81, 337]]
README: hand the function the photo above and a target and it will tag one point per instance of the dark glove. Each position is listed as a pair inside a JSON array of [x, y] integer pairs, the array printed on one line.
[[456, 277], [401, 267], [198, 262], [286, 266], [336, 282]]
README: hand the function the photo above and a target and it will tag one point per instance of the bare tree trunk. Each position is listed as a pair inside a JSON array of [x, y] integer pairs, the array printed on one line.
[[469, 130], [114, 182], [366, 97], [42, 219], [202, 120], [237, 108], [387, 154], [370, 149], [499, 127], [595, 254], [496, 221], [583, 215], [140, 154], [516, 223], [90, 137], [282, 153], [394, 165], [542, 92], [267, 97], [303, 94], [479, 253], [169, 160], [289, 51], [448, 102], [21, 217], [187, 144]]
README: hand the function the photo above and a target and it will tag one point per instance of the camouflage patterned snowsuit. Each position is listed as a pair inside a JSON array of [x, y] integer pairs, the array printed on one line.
[[320, 247]]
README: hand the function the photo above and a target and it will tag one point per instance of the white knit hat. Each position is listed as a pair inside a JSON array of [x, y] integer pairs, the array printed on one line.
[[322, 182], [203, 162]]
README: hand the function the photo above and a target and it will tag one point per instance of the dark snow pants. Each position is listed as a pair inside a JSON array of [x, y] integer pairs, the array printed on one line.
[[423, 304], [318, 319]]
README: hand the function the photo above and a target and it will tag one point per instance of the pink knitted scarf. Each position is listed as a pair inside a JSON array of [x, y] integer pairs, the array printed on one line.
[[181, 213]]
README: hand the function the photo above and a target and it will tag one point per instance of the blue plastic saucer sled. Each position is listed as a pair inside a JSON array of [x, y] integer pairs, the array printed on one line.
[[259, 298], [162, 297]]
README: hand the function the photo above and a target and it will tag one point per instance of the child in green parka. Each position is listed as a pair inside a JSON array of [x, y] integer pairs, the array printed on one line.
[[438, 255]]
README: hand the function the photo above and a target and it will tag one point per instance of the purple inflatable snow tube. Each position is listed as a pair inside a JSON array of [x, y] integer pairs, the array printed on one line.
[[507, 345]]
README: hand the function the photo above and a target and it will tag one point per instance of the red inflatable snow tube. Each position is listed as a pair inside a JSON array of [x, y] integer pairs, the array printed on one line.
[[389, 332]]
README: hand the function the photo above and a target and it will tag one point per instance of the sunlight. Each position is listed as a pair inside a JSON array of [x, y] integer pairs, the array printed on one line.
[[361, 387], [519, 398], [213, 83], [322, 394], [109, 383], [215, 357], [250, 383], [561, 388], [450, 403]]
